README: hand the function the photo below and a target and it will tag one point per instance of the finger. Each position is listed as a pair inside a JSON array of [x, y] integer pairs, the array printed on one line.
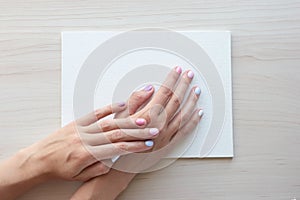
[[120, 135], [166, 90], [189, 126], [112, 124], [108, 151], [100, 113], [183, 116], [179, 94], [136, 100], [92, 171], [154, 120]]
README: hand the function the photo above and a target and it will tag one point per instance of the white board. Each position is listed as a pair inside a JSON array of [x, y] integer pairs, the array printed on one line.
[[77, 47]]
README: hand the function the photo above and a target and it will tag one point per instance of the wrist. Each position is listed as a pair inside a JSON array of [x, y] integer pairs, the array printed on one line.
[[20, 173], [118, 182], [108, 186], [28, 161]]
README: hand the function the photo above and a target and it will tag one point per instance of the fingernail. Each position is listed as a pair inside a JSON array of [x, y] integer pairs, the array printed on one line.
[[200, 113], [197, 91], [140, 121], [178, 69], [149, 143], [148, 88], [154, 131], [114, 159], [190, 74], [121, 104]]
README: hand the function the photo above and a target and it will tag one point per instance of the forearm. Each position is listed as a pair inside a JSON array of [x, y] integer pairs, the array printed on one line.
[[18, 174], [107, 187], [115, 183]]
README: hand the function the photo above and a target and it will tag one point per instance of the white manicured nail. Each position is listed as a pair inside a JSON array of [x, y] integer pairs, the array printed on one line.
[[114, 159], [197, 91], [153, 131], [149, 143], [200, 113]]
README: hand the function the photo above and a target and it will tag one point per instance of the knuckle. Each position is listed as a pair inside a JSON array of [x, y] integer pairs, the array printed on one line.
[[194, 98], [76, 179], [176, 101], [104, 169], [194, 121], [72, 128], [68, 174], [186, 79], [185, 117], [117, 135], [160, 125], [161, 129], [136, 96], [163, 141], [84, 179], [98, 112], [105, 125], [75, 140], [147, 118], [77, 157], [107, 169], [167, 92], [83, 129], [83, 156], [123, 146]]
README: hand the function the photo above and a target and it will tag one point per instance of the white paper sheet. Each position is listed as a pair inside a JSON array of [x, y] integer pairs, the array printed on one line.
[[77, 46]]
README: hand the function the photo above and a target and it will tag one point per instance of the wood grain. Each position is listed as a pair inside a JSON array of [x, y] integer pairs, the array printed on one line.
[[266, 93]]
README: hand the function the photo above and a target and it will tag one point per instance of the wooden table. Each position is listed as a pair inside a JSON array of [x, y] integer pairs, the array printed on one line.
[[266, 91]]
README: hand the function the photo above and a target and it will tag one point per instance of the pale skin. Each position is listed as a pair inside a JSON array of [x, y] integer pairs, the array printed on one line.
[[77, 151], [64, 154], [176, 126]]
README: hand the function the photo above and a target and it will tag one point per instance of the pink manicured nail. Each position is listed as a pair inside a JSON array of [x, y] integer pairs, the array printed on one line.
[[121, 104], [190, 74], [148, 88], [178, 69], [140, 121]]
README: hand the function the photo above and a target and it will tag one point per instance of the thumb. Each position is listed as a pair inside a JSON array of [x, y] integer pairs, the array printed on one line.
[[136, 101]]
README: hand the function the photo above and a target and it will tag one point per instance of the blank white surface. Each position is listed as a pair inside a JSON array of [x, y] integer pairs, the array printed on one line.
[[76, 47]]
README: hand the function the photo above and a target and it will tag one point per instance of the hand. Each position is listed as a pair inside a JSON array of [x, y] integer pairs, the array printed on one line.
[[112, 184], [163, 112], [74, 152]]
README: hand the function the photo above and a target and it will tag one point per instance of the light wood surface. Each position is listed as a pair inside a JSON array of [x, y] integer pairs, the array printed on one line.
[[266, 91]]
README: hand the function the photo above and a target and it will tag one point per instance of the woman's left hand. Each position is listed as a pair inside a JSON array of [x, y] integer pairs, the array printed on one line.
[[76, 151]]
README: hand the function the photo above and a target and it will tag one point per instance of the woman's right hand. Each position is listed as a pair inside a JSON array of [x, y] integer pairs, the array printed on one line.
[[163, 112], [173, 117]]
